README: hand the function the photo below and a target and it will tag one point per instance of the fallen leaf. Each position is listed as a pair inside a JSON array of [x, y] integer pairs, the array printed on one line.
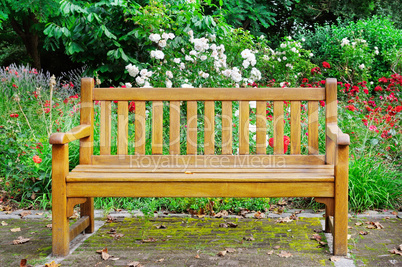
[[117, 210], [160, 260], [363, 233], [39, 213], [232, 225], [282, 202], [395, 251], [20, 240], [52, 264], [23, 263], [110, 219], [370, 226], [279, 210], [49, 226], [270, 252], [117, 236], [350, 227], [284, 254], [378, 225], [318, 230], [135, 264], [221, 253], [223, 225], [105, 256], [249, 238], [149, 240], [358, 223], [3, 223], [162, 226], [230, 250], [284, 220], [197, 256], [112, 231], [25, 213], [259, 215], [15, 230], [394, 213], [277, 247], [335, 258], [316, 237], [221, 214]]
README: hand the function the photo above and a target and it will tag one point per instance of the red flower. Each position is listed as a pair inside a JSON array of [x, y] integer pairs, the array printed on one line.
[[366, 91], [14, 115], [37, 159], [131, 106], [378, 88], [326, 65], [315, 70], [286, 141], [351, 107], [382, 80], [305, 80], [322, 103]]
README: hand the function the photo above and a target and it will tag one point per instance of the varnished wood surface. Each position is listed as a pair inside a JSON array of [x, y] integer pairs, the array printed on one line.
[[211, 94], [139, 128], [76, 133], [261, 124], [78, 227], [105, 127], [174, 128], [157, 127], [312, 127], [227, 138], [122, 128], [295, 128], [278, 127], [209, 128]]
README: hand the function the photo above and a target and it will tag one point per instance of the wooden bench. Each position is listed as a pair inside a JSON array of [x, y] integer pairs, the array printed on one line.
[[211, 174]]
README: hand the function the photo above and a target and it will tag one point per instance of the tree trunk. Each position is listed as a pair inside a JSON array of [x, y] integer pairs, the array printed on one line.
[[29, 37]]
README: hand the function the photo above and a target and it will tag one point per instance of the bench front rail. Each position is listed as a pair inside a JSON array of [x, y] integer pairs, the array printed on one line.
[[216, 172]]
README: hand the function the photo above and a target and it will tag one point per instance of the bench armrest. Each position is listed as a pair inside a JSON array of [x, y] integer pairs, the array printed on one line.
[[81, 131], [336, 135]]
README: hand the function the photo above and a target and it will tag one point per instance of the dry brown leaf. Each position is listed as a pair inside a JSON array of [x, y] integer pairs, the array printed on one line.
[[395, 251], [230, 250], [249, 238], [3, 223], [197, 256], [25, 213], [282, 202], [358, 223], [284, 220], [270, 252], [221, 214], [162, 226], [52, 264], [277, 247], [284, 254], [221, 253], [232, 225], [112, 231], [135, 264], [105, 256], [110, 219], [39, 213], [23, 263], [378, 225], [363, 233], [350, 227], [49, 226], [370, 226], [335, 258], [20, 240], [394, 213], [149, 240], [15, 230], [223, 225], [259, 215], [160, 260], [316, 237]]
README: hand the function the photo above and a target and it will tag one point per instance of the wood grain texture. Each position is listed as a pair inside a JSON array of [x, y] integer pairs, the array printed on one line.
[[72, 202], [60, 224], [139, 125], [227, 138], [244, 127], [105, 127], [278, 127], [312, 127], [209, 94], [330, 115], [209, 128], [79, 226], [174, 129], [204, 189], [122, 128], [215, 161], [87, 117], [76, 133], [295, 128], [341, 201], [261, 138], [191, 127], [157, 127], [87, 209]]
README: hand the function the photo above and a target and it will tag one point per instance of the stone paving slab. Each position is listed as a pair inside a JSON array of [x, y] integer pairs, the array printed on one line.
[[182, 238]]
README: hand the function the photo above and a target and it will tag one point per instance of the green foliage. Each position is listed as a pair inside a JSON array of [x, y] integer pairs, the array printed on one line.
[[362, 50]]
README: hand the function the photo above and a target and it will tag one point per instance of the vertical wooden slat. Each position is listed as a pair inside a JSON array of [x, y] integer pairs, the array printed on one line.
[[105, 127], [313, 127], [174, 128], [278, 127], [139, 128], [122, 128], [60, 223], [87, 117], [157, 127], [330, 116], [341, 201], [295, 128], [86, 144], [261, 137], [244, 122], [209, 130], [227, 128], [191, 127]]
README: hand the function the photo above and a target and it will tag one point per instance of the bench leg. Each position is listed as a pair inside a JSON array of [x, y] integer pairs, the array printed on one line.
[[329, 211], [60, 223], [340, 232], [87, 209]]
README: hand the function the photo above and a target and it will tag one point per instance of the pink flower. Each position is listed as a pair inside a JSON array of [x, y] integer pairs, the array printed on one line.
[[372, 127]]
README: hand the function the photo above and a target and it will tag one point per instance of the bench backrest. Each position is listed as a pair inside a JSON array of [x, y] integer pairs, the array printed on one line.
[[176, 124]]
